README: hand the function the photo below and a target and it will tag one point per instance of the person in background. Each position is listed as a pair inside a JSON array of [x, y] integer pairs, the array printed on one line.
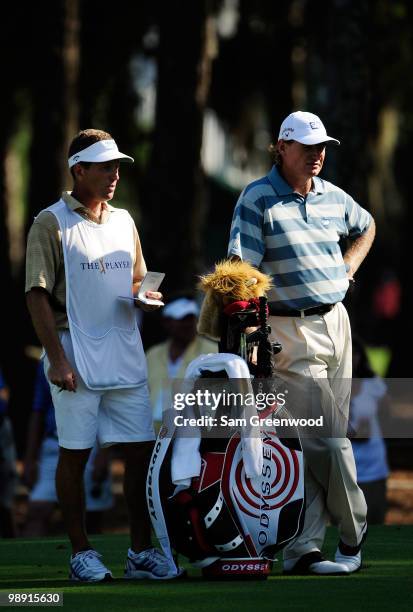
[[170, 359], [8, 471], [368, 400], [42, 455]]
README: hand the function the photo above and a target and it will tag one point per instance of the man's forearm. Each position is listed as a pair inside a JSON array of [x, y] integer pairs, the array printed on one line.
[[44, 323], [359, 248], [136, 286], [61, 372]]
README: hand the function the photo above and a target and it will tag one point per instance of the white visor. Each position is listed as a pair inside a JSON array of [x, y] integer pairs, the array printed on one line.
[[180, 308], [101, 151]]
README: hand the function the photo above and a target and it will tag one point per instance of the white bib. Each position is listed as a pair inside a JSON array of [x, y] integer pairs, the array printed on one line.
[[99, 268]]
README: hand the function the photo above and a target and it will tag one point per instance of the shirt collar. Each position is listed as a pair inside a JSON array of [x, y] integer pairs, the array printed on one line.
[[282, 188], [75, 204], [318, 185], [280, 185]]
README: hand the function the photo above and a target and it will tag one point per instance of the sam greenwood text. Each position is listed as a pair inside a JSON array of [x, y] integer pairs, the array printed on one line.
[[253, 420]]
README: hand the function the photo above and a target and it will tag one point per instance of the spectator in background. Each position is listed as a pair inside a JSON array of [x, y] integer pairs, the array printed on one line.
[[8, 472], [170, 358], [42, 455], [368, 399]]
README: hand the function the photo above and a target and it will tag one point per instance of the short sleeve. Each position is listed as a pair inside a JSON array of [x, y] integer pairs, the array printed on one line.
[[43, 254], [246, 235], [357, 218]]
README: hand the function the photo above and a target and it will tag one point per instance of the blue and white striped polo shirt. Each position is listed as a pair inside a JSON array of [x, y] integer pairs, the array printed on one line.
[[295, 238]]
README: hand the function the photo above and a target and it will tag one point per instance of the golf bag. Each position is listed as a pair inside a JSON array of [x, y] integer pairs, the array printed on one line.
[[228, 503]]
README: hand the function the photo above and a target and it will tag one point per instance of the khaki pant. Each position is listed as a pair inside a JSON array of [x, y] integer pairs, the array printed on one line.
[[319, 347]]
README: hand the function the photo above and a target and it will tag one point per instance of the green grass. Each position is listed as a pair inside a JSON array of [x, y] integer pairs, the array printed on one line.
[[386, 582]]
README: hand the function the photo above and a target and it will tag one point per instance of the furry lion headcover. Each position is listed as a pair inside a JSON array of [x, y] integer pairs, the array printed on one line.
[[231, 281]]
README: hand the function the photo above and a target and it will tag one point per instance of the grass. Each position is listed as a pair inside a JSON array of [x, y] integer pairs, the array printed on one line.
[[386, 583]]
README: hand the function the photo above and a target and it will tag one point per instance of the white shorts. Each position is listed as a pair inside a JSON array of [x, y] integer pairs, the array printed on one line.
[[98, 498], [112, 416]]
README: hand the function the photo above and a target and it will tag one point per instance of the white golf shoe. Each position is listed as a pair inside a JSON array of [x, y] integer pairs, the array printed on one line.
[[86, 566], [313, 563], [149, 564], [348, 556]]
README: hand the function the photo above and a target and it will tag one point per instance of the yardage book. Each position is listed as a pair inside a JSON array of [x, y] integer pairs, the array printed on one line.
[[151, 282]]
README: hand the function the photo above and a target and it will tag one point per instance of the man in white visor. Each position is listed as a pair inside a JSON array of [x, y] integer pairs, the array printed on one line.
[[83, 255]]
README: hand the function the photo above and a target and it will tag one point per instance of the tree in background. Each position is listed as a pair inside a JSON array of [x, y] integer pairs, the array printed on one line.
[[173, 195], [109, 40], [249, 96]]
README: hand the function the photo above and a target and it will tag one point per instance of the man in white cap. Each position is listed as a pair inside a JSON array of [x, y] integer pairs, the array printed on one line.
[[169, 359], [82, 255], [288, 224]]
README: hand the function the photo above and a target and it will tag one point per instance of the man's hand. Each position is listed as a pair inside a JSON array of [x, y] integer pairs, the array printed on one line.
[[152, 295], [62, 375]]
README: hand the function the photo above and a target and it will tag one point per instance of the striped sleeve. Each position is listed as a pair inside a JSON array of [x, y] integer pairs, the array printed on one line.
[[246, 237], [357, 218]]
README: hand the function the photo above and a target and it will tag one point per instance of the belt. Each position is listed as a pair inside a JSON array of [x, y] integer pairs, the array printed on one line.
[[308, 312]]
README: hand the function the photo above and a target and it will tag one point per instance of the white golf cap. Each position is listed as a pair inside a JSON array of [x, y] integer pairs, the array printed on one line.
[[180, 308], [98, 152], [305, 128]]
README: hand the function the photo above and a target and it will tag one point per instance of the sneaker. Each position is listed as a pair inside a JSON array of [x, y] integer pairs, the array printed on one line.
[[313, 563], [350, 556], [149, 563], [86, 566]]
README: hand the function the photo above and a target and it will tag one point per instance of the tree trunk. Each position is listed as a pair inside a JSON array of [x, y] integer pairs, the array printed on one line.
[[52, 83], [173, 203], [54, 102], [338, 78], [14, 74]]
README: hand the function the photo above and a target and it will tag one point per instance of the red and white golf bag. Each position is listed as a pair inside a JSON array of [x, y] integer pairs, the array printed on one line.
[[228, 504]]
